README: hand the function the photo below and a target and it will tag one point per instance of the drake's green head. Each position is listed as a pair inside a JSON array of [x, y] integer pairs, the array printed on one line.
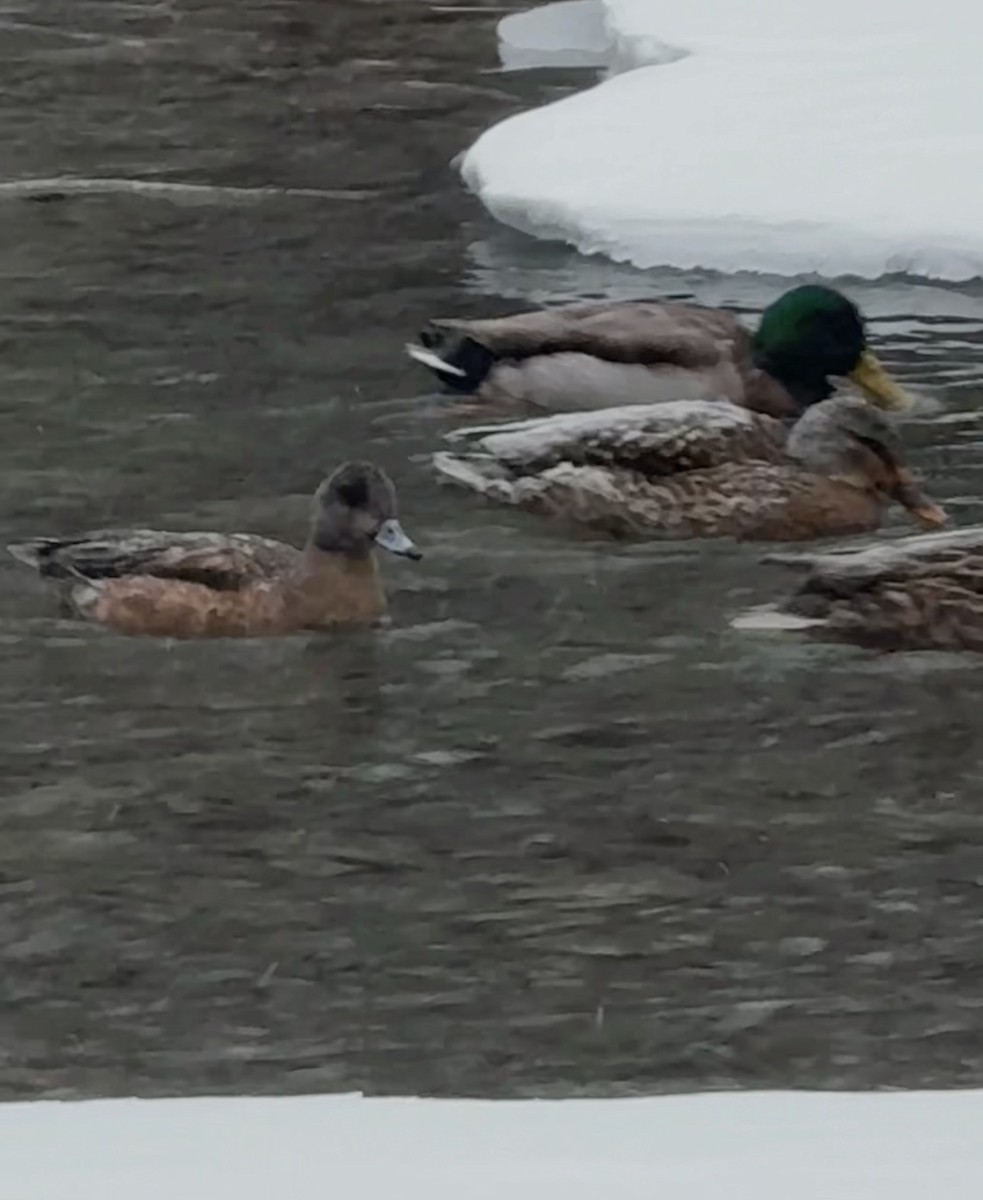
[[813, 332]]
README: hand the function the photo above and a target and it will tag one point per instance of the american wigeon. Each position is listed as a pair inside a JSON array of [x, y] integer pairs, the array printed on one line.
[[190, 585]]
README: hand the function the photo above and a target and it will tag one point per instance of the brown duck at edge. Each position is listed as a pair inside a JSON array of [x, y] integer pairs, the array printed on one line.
[[193, 585], [593, 355], [923, 592], [697, 469]]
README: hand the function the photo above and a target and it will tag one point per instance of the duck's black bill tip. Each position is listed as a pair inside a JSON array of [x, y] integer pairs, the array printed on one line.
[[392, 537]]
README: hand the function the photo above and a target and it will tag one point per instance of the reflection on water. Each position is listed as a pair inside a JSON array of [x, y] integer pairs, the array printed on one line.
[[560, 829]]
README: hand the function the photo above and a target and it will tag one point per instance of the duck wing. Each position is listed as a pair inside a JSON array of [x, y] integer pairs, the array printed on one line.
[[956, 554], [225, 562], [631, 331], [653, 439]]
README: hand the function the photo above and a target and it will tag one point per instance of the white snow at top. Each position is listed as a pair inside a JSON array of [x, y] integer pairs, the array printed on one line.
[[842, 138], [745, 1146]]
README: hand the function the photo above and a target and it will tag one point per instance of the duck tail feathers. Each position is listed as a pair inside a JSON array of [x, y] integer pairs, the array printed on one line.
[[459, 362], [433, 362], [477, 472], [42, 555], [31, 553], [771, 619]]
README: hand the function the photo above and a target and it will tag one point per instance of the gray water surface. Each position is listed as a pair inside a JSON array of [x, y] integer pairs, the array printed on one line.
[[559, 830]]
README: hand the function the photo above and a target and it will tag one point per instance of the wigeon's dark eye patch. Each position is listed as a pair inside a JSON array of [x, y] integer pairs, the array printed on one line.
[[353, 492]]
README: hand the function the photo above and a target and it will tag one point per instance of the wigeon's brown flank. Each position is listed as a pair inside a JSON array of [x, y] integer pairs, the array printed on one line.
[[193, 585], [840, 469], [326, 591]]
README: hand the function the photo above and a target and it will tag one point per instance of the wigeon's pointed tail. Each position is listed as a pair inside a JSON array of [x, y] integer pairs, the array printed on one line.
[[37, 554], [33, 553], [41, 555]]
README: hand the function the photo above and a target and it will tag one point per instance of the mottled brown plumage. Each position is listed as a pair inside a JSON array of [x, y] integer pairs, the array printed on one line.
[[758, 501], [655, 439], [189, 585], [916, 593], [594, 355], [670, 470]]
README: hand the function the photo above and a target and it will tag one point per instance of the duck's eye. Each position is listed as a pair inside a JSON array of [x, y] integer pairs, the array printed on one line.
[[353, 492]]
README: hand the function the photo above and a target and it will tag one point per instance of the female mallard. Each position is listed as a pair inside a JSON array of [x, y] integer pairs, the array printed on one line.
[[642, 351], [235, 585], [916, 593], [698, 469]]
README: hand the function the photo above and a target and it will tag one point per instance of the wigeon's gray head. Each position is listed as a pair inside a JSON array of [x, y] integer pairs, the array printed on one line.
[[354, 509]]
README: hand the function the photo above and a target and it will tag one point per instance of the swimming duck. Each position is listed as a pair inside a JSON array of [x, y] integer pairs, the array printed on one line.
[[148, 581], [585, 356], [917, 593], [697, 469]]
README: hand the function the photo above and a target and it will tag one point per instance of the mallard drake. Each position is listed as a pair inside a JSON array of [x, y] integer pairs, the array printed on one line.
[[917, 593], [585, 356], [697, 469], [149, 581]]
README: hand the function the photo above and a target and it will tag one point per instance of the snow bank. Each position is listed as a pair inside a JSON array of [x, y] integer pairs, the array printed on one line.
[[841, 138], [569, 33], [747, 1146]]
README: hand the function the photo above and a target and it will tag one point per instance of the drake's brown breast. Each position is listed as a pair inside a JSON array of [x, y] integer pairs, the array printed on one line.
[[763, 394]]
